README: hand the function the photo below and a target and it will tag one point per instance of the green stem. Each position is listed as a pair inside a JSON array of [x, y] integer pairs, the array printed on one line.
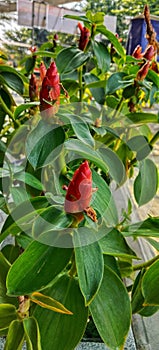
[[80, 83], [145, 264], [154, 139], [6, 109], [119, 107]]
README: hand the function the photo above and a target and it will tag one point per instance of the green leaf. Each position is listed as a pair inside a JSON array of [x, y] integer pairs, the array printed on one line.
[[86, 152], [15, 337], [49, 303], [69, 59], [146, 183], [23, 107], [113, 243], [150, 285], [32, 333], [90, 265], [63, 331], [147, 228], [111, 310], [19, 195], [43, 144], [38, 263], [7, 315], [142, 118], [50, 227], [115, 82], [97, 18], [4, 268], [102, 55], [30, 180], [81, 130], [97, 92], [78, 18], [153, 76], [113, 39], [115, 165], [11, 253], [12, 79], [140, 145]]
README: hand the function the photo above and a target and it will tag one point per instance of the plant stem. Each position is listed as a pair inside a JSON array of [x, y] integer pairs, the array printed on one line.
[[80, 83], [145, 264], [154, 139]]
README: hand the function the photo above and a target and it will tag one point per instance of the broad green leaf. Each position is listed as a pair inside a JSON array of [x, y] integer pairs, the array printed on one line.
[[81, 130], [39, 263], [140, 145], [43, 144], [12, 79], [115, 82], [49, 303], [112, 263], [30, 180], [111, 310], [137, 298], [90, 265], [102, 56], [63, 331], [4, 268], [50, 227], [142, 118], [97, 92], [86, 152], [7, 315], [69, 59], [78, 18], [15, 336], [148, 311], [113, 243], [147, 228], [19, 195], [115, 165], [150, 285], [23, 107], [146, 183], [113, 39], [32, 333]]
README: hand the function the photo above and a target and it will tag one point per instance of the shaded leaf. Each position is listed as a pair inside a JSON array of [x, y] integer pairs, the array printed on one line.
[[146, 183], [49, 303]]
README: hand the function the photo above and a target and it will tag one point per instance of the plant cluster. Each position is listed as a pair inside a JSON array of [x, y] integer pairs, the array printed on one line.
[[79, 137]]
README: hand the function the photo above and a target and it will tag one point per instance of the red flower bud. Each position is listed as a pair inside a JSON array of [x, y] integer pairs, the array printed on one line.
[[84, 38], [79, 191], [137, 52], [50, 91], [141, 75], [33, 88], [149, 53]]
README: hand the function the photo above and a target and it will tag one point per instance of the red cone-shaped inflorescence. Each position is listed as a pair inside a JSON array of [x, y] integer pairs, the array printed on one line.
[[137, 53], [79, 191], [84, 38], [149, 53], [43, 71], [141, 74], [50, 92], [33, 88]]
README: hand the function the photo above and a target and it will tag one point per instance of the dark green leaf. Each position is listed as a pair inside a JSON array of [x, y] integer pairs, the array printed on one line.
[[69, 59], [38, 263], [4, 268], [115, 82], [146, 183], [43, 144], [31, 180], [81, 130], [147, 228], [142, 118], [111, 311], [150, 285], [23, 107], [115, 165], [90, 265], [102, 55], [12, 79], [113, 243], [97, 92], [140, 145]]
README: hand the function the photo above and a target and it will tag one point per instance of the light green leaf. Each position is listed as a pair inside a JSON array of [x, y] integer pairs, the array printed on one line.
[[32, 333], [81, 130], [7, 315], [15, 336], [111, 310], [115, 165], [102, 55], [30, 180], [147, 228], [49, 303], [113, 39], [146, 183], [39, 263], [142, 118], [71, 327], [90, 265]]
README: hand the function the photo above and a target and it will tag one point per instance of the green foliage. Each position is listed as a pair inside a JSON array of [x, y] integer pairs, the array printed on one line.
[[66, 265]]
